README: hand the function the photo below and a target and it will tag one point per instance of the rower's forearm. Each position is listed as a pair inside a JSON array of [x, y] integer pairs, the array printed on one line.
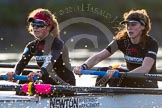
[[91, 62], [140, 70], [95, 59]]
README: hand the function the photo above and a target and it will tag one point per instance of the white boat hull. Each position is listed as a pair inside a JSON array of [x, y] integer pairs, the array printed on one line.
[[86, 101]]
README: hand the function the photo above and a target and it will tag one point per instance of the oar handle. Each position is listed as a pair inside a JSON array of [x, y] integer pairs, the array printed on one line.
[[18, 77], [99, 73]]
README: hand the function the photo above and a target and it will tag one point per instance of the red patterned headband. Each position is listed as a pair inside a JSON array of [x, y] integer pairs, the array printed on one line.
[[41, 16]]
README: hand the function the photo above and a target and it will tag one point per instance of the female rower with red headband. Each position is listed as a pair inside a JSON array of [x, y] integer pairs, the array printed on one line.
[[48, 49]]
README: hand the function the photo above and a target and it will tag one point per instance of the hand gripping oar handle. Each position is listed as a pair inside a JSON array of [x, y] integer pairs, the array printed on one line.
[[17, 77], [99, 73]]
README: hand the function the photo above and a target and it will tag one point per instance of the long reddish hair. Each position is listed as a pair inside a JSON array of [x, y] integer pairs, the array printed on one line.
[[135, 14]]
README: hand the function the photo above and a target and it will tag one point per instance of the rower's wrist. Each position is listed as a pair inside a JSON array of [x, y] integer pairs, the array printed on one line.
[[84, 66], [13, 73], [39, 74]]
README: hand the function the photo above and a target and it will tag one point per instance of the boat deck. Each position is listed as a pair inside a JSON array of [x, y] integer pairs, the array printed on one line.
[[89, 101]]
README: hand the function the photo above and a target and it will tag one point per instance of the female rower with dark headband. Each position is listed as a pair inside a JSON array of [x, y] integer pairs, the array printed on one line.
[[139, 49]]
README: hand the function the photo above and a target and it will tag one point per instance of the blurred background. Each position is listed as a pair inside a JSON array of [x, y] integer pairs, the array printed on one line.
[[87, 26]]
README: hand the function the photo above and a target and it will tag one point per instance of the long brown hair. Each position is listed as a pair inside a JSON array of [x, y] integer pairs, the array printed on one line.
[[55, 26], [135, 14]]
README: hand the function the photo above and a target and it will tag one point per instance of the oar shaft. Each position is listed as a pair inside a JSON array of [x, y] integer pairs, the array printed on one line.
[[49, 89], [2, 65], [17, 77], [10, 87], [157, 77], [13, 65]]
